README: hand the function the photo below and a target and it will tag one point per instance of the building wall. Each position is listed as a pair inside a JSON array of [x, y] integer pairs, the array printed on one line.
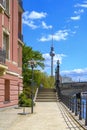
[[66, 79], [16, 86], [14, 29], [0, 30], [11, 82], [13, 92]]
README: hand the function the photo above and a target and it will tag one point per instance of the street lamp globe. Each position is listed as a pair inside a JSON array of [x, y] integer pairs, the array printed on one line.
[[32, 63]]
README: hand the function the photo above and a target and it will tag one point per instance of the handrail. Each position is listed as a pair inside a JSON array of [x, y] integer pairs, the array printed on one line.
[[36, 94], [77, 106]]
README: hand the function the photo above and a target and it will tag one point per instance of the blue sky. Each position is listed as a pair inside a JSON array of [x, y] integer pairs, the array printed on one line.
[[66, 20]]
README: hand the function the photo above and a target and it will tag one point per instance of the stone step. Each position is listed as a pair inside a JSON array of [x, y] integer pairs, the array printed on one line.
[[43, 95], [46, 92], [46, 95], [46, 100]]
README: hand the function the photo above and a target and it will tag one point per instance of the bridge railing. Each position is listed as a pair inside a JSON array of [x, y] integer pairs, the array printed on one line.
[[76, 106]]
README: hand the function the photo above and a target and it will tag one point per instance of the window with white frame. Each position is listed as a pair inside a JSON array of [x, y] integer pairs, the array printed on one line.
[[6, 5], [6, 44]]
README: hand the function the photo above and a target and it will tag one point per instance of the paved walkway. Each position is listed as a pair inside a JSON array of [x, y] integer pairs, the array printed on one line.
[[46, 116]]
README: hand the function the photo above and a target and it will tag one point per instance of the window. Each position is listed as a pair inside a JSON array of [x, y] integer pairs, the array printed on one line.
[[19, 55], [6, 5], [20, 36], [7, 91], [6, 44]]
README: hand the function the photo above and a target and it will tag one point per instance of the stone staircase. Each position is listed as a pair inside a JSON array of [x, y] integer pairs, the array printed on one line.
[[46, 95]]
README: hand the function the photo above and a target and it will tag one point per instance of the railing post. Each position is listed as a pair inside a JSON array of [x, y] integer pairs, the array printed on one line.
[[83, 109], [72, 104], [76, 106], [80, 107], [68, 101], [86, 112], [67, 98]]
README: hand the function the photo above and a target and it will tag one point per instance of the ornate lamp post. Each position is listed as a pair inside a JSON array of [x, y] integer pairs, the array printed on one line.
[[57, 77], [32, 64]]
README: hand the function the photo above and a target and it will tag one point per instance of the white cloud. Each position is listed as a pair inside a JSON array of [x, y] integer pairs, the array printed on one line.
[[34, 15], [76, 74], [76, 27], [75, 18], [37, 15], [45, 26], [32, 18], [79, 11], [26, 15], [59, 57], [84, 5], [29, 23], [44, 39], [55, 59], [59, 35], [48, 62], [74, 32]]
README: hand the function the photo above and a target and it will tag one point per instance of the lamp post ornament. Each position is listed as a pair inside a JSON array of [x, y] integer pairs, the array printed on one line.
[[32, 64]]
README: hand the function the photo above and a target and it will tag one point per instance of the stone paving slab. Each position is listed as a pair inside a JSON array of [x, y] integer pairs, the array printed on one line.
[[10, 115], [46, 116]]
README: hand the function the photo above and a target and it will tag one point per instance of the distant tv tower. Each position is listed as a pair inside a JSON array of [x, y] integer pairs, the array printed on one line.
[[52, 54]]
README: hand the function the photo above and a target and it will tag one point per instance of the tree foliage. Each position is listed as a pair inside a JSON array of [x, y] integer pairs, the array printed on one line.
[[29, 54]]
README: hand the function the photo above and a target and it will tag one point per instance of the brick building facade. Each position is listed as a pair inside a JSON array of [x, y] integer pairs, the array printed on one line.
[[11, 42]]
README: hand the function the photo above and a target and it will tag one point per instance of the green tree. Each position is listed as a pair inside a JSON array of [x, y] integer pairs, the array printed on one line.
[[29, 54], [51, 81]]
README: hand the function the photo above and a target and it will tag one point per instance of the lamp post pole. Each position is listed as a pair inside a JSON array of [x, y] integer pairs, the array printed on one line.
[[32, 90], [32, 64], [58, 79]]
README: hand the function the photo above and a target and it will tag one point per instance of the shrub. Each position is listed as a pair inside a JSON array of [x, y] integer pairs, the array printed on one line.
[[24, 101]]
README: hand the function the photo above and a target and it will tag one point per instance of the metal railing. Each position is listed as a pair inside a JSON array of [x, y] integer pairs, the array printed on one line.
[[2, 56], [77, 106]]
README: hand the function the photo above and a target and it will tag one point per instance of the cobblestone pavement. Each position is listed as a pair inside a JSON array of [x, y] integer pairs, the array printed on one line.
[[46, 116]]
